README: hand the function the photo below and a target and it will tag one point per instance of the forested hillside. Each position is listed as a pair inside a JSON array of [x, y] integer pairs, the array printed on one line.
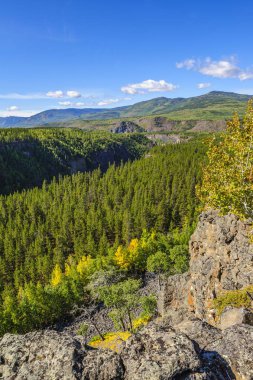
[[215, 105], [27, 157], [53, 239]]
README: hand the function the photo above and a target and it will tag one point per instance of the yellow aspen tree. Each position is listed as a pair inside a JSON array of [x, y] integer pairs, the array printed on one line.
[[57, 275], [121, 258], [228, 176]]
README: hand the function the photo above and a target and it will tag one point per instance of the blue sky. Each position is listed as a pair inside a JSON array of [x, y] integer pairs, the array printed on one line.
[[79, 53]]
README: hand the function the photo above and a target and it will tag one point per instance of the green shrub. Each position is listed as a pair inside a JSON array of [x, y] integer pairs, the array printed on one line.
[[233, 298]]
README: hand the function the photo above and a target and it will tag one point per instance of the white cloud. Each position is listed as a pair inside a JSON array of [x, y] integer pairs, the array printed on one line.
[[70, 94], [107, 102], [203, 85], [149, 85], [73, 104], [65, 104], [81, 104], [12, 108], [55, 94], [101, 103], [19, 113], [60, 94], [244, 75], [73, 94], [220, 69], [187, 64], [224, 68]]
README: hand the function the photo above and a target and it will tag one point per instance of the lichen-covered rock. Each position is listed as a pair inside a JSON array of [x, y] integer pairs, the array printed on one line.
[[172, 300], [102, 365], [227, 354], [158, 352], [221, 259], [193, 350], [40, 355], [236, 347], [199, 331], [234, 316]]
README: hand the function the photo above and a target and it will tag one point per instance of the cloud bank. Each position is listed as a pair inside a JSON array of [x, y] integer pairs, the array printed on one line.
[[147, 86], [225, 68], [203, 85]]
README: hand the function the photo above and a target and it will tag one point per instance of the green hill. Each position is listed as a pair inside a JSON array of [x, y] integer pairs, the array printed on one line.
[[215, 105]]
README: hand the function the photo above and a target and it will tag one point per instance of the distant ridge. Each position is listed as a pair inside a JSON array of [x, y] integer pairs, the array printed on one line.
[[215, 105]]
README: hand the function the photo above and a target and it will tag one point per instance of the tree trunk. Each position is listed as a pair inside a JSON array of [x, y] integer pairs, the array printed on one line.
[[123, 324], [98, 331], [130, 320], [159, 280]]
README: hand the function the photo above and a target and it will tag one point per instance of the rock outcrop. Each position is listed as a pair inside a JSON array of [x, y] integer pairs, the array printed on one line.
[[40, 355], [158, 352], [163, 123], [127, 127], [221, 259], [173, 301]]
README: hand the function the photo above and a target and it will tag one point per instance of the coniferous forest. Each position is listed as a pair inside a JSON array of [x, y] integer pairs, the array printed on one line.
[[29, 156], [55, 238]]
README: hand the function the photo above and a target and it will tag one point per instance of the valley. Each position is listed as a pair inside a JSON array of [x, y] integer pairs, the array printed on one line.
[[101, 247]]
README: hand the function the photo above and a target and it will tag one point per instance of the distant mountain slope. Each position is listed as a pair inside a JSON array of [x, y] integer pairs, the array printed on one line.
[[11, 121], [215, 105]]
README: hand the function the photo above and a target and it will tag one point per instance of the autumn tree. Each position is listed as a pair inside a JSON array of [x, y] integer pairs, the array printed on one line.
[[228, 177]]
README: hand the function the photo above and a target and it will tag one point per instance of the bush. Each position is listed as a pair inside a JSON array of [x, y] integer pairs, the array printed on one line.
[[233, 298]]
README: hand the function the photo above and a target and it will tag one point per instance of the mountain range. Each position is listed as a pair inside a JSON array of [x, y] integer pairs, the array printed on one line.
[[215, 105]]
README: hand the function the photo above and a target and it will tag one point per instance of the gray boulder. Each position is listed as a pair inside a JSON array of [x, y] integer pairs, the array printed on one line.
[[40, 355], [102, 365], [158, 352], [236, 347], [234, 316]]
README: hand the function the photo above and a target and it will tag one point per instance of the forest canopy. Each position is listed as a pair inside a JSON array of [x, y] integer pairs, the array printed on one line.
[[53, 239], [29, 156]]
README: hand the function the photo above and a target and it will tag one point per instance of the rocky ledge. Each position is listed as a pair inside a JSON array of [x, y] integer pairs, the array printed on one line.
[[190, 350]]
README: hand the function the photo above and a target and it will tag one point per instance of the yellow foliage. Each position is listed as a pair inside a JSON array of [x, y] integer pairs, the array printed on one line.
[[121, 257], [112, 341], [134, 256], [133, 245], [84, 264], [57, 275], [139, 322], [228, 177]]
